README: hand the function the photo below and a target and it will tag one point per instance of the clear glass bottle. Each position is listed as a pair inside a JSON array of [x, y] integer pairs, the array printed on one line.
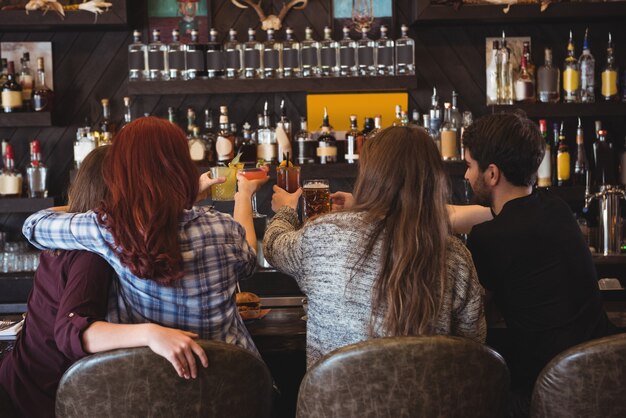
[[3, 71], [310, 55], [10, 178], [366, 54], [195, 57], [176, 57], [435, 112], [524, 85], [354, 141], [214, 56], [83, 145], [209, 137], [326, 142], [405, 53], [225, 143], [609, 74], [284, 134], [43, 96], [468, 120], [492, 75], [548, 78], [11, 92], [291, 55], [571, 75], [137, 59], [329, 51], [530, 65], [191, 121], [267, 148], [505, 74], [26, 80], [384, 54], [415, 118], [563, 161], [252, 51], [272, 62], [555, 148], [105, 127], [457, 120], [398, 116], [448, 136], [348, 61], [36, 173], [128, 116], [232, 55], [305, 146], [587, 66], [197, 146], [581, 166], [171, 115], [433, 134], [544, 175], [157, 58]]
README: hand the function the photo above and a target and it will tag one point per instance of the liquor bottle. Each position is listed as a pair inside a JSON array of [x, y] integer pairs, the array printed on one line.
[[368, 126], [11, 92], [157, 58], [247, 146], [555, 147], [197, 146], [384, 54], [284, 134], [209, 137], [310, 51], [505, 74], [398, 113], [348, 65], [10, 178], [455, 114], [26, 79], [354, 141], [326, 142], [36, 172], [433, 134], [232, 55], [191, 121], [252, 51], [365, 54], [404, 118], [405, 53], [563, 161], [378, 123], [171, 115], [306, 147], [176, 57], [272, 62], [587, 66], [105, 127], [545, 168], [448, 135], [524, 85], [604, 160], [415, 118], [195, 57], [622, 165], [43, 96], [329, 62], [267, 148], [581, 166], [83, 145], [548, 80], [137, 59], [291, 55], [3, 71], [530, 65], [225, 143], [468, 120], [214, 56], [492, 75], [435, 112], [128, 116], [571, 75], [609, 74]]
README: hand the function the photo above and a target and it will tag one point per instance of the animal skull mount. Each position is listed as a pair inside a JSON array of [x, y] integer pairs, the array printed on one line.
[[271, 21]]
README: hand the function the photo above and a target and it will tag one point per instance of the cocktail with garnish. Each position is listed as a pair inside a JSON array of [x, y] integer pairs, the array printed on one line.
[[226, 190], [288, 176]]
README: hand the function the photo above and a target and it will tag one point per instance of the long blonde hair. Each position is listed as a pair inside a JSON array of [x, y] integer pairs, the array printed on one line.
[[403, 189]]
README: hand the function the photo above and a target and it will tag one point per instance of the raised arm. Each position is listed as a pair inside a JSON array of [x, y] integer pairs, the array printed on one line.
[[464, 217]]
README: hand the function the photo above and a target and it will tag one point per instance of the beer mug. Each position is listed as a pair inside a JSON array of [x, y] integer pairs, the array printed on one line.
[[316, 197]]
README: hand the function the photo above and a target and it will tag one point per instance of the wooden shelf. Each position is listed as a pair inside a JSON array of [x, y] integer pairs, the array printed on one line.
[[25, 204], [241, 86], [25, 119], [424, 12], [18, 20], [565, 110]]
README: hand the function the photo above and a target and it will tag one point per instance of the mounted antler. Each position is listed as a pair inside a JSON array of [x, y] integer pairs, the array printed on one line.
[[271, 21]]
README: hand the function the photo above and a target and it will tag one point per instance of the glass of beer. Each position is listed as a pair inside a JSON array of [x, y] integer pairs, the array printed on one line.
[[316, 197], [288, 178]]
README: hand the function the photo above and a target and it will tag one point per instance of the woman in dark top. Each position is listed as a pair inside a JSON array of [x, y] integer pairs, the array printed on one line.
[[66, 311]]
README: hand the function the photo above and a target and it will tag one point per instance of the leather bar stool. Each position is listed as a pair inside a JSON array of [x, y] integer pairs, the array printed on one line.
[[435, 376], [138, 383]]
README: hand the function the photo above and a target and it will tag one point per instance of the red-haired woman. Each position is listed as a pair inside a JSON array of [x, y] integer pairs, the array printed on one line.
[[178, 264]]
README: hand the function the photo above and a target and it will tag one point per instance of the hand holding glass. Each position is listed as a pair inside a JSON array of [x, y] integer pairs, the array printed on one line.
[[316, 195], [254, 174]]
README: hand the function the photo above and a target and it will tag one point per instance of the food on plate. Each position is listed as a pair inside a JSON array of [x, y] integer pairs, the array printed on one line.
[[249, 305]]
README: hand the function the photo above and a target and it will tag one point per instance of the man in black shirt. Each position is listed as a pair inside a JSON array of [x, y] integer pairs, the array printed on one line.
[[531, 255]]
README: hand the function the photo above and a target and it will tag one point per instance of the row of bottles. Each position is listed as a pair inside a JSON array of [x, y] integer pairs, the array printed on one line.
[[11, 179], [506, 85], [17, 90], [271, 58], [560, 168], [89, 137]]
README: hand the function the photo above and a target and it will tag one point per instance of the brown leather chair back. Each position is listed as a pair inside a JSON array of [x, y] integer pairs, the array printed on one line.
[[588, 380], [406, 377], [138, 383]]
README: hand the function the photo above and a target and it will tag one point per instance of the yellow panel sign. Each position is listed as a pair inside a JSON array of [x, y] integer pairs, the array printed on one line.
[[341, 106]]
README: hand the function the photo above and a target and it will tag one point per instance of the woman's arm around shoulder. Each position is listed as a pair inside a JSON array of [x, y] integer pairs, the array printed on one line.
[[464, 217]]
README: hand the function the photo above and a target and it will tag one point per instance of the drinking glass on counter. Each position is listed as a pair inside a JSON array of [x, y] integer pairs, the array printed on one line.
[[288, 178], [316, 197]]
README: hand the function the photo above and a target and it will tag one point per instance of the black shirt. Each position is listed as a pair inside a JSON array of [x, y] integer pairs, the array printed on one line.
[[533, 257]]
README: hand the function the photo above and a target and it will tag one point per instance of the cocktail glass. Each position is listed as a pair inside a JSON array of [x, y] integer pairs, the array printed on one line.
[[316, 197], [254, 174], [226, 190], [288, 178]]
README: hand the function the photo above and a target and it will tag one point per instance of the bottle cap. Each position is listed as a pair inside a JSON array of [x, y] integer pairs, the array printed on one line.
[[251, 32], [136, 33], [35, 147], [213, 32], [104, 102]]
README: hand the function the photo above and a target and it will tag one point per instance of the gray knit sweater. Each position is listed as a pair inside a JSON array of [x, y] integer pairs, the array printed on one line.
[[321, 256]]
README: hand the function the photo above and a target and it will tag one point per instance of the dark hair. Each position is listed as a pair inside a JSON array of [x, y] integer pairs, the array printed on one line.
[[88, 190], [511, 141], [402, 188]]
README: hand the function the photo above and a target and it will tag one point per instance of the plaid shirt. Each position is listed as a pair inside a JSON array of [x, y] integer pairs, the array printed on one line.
[[215, 254]]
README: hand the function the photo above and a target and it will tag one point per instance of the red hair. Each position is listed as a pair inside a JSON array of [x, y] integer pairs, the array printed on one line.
[[151, 179]]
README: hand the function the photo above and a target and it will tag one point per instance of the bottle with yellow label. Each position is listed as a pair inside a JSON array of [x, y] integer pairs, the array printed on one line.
[[563, 161], [609, 74], [571, 75]]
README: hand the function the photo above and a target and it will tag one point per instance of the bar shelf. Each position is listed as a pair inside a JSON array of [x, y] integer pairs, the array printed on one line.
[[25, 119], [565, 110], [25, 204]]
